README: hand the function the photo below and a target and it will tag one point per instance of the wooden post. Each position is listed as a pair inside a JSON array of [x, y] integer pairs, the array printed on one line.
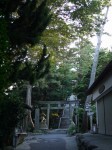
[[48, 113]]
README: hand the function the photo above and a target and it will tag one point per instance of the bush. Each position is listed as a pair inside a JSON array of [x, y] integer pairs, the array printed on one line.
[[72, 129], [11, 112]]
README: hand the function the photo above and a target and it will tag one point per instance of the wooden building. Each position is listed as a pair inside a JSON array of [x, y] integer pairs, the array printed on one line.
[[101, 91]]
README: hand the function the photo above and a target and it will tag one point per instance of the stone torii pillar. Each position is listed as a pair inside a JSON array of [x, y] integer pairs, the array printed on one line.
[[48, 113], [37, 113], [72, 98]]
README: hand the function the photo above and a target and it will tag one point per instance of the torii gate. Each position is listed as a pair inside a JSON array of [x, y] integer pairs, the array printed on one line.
[[48, 107]]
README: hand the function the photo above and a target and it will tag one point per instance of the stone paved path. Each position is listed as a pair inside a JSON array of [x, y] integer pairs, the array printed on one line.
[[48, 142]]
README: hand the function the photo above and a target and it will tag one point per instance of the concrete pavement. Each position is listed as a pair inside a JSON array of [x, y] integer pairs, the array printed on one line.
[[90, 141], [50, 141], [54, 141]]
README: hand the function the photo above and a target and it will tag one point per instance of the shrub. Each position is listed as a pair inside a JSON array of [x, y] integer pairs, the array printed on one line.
[[72, 129], [11, 112]]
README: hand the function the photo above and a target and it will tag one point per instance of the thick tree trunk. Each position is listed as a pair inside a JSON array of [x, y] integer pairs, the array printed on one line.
[[29, 121], [96, 55]]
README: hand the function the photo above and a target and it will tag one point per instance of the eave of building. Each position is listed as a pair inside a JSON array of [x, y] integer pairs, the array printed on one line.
[[103, 74]]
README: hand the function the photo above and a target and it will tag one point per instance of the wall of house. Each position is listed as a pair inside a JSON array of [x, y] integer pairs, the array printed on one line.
[[101, 121], [104, 109], [102, 93], [107, 83]]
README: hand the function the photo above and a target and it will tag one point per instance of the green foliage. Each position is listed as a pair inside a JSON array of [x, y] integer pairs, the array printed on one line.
[[57, 85], [57, 35], [26, 20], [22, 24], [83, 62], [72, 129], [81, 14], [31, 71], [4, 58], [11, 113], [78, 113], [105, 57], [61, 81], [80, 118], [85, 69], [86, 13]]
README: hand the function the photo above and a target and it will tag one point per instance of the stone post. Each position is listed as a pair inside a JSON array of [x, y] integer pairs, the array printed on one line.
[[48, 113], [70, 110], [91, 122], [37, 118], [59, 105]]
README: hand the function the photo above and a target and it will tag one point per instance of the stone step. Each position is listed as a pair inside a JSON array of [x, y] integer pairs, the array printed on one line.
[[58, 131], [64, 123]]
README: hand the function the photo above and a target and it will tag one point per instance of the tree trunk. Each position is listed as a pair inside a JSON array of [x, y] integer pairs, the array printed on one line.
[[96, 55], [29, 121]]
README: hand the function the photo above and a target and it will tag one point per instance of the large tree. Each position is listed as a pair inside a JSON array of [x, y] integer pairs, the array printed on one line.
[[25, 23], [21, 25], [4, 57], [82, 85], [26, 20]]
